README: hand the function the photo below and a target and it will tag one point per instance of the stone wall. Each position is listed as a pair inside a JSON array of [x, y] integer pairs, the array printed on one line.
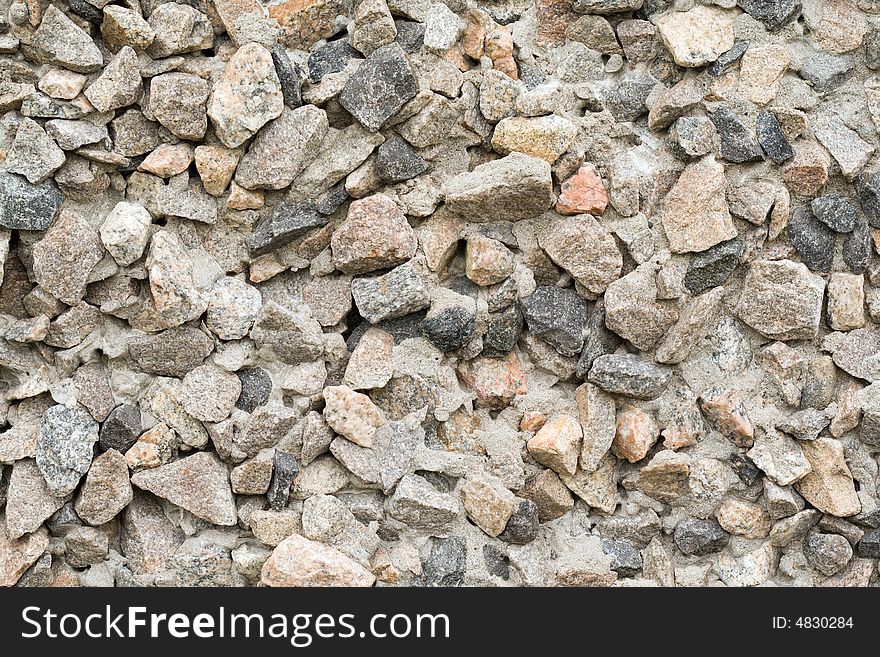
[[501, 292]]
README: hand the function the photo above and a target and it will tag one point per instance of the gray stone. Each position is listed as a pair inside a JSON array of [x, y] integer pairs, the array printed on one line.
[[522, 527], [289, 75], [772, 138], [737, 142], [25, 206], [256, 386], [700, 538], [826, 72], [827, 553], [558, 316], [285, 469], [400, 292], [121, 428], [772, 13], [629, 375], [836, 212], [61, 42], [714, 266], [857, 247], [445, 565], [813, 240], [626, 560], [288, 220], [380, 87], [396, 161], [65, 447]]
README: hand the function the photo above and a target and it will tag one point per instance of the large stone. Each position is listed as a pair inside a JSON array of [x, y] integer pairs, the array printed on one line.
[[178, 101], [197, 483], [627, 374], [558, 316], [556, 445], [352, 414], [380, 87], [399, 292], [247, 95], [698, 36], [65, 447], [700, 538], [282, 149], [781, 300], [33, 153], [633, 311], [421, 506], [119, 84], [61, 42], [64, 258], [544, 137], [694, 212], [29, 502], [374, 235], [106, 490], [585, 249], [24, 206], [515, 187], [829, 485], [488, 504], [291, 334], [297, 561]]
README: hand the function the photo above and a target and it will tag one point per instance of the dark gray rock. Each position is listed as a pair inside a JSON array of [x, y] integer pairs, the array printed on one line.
[[64, 518], [869, 546], [24, 206], [289, 220], [627, 374], [727, 59], [65, 447], [331, 58], [598, 341], [451, 328], [445, 564], [522, 527], [396, 161], [380, 87], [410, 35], [826, 72], [737, 142], [289, 75], [771, 137], [827, 553], [121, 428], [285, 471], [331, 200], [872, 48], [256, 386], [696, 537], [812, 239], [836, 212], [744, 468], [857, 246], [502, 332], [626, 100], [86, 10], [869, 428], [773, 13], [626, 559], [713, 266], [558, 316], [496, 563], [867, 186]]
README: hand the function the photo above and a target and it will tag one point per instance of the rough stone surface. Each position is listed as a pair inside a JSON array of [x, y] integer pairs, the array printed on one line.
[[408, 293]]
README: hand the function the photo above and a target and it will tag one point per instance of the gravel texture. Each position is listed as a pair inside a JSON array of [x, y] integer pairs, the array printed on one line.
[[392, 293]]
